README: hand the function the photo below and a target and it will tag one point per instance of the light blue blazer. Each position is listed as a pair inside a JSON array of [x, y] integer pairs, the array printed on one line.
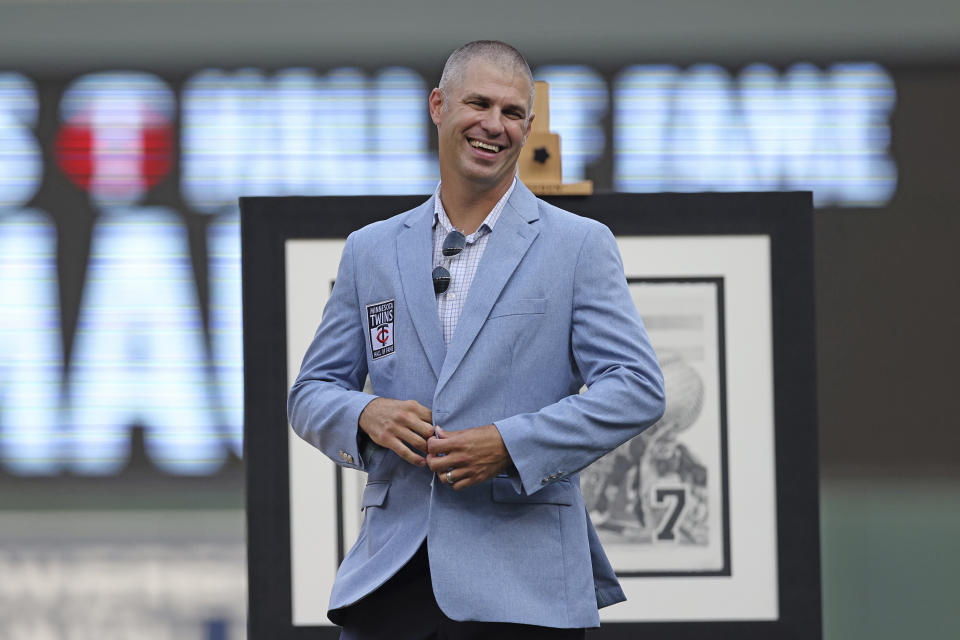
[[548, 311]]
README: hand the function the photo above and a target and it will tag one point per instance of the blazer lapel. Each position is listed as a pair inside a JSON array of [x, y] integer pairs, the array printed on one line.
[[414, 258], [511, 237]]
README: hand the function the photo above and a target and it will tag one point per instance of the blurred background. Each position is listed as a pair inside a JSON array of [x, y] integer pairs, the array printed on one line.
[[128, 128]]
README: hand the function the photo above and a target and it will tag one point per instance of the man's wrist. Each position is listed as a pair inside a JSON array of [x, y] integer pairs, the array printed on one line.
[[507, 466]]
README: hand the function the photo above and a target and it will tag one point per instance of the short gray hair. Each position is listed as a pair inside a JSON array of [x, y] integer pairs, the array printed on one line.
[[495, 52]]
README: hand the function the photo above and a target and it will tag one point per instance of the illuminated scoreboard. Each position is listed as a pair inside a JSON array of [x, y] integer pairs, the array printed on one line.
[[147, 351]]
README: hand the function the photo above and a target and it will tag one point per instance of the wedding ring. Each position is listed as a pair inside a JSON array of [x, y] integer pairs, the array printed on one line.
[[449, 477]]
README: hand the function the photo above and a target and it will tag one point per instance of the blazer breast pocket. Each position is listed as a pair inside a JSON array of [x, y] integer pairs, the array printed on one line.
[[521, 306]]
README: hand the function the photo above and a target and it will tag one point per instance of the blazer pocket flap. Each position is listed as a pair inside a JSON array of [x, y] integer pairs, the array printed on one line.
[[560, 492], [374, 494], [518, 307]]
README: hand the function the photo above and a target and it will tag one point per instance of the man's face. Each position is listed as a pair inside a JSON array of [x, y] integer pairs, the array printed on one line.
[[482, 124]]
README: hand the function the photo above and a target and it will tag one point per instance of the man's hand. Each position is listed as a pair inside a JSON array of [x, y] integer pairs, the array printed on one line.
[[471, 456], [396, 423]]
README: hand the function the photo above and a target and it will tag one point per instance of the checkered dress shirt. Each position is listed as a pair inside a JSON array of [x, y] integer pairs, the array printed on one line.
[[463, 266]]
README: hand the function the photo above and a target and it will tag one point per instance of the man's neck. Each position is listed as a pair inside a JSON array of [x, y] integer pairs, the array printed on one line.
[[466, 205]]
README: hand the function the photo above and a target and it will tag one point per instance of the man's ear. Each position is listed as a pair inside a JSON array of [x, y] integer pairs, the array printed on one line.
[[435, 101], [529, 128]]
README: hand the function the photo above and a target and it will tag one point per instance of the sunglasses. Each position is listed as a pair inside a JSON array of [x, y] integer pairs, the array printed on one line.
[[453, 244]]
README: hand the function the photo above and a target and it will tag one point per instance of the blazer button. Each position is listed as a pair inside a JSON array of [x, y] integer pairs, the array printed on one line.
[[545, 481]]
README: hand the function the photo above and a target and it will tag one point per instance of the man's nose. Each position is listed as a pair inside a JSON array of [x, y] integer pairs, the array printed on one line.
[[492, 122]]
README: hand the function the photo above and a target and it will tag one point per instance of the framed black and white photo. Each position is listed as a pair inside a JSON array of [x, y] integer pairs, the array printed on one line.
[[660, 502], [709, 517]]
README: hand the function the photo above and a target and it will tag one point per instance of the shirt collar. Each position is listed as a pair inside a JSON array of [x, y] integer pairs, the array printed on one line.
[[440, 214]]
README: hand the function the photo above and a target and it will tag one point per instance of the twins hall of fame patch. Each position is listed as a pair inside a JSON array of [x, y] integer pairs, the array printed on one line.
[[380, 327]]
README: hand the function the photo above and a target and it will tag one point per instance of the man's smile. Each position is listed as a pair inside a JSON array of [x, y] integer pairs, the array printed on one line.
[[486, 146]]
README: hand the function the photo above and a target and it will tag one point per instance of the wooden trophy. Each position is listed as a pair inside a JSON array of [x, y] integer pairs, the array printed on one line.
[[540, 157]]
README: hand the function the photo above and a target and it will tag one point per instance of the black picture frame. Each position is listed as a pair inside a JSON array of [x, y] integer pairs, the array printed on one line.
[[785, 218]]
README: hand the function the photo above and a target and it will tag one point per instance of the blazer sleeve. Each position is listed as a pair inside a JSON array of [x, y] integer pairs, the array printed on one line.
[[612, 351], [326, 400]]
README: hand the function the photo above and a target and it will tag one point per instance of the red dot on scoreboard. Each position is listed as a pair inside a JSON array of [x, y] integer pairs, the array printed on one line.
[[147, 164], [74, 153], [157, 153]]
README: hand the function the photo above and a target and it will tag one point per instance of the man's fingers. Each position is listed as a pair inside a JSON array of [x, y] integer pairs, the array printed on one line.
[[442, 463], [467, 480], [422, 412], [423, 429], [461, 478], [416, 417], [441, 445], [384, 417], [414, 440], [399, 448]]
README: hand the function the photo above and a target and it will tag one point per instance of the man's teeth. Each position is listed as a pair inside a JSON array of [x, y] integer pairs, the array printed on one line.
[[485, 146]]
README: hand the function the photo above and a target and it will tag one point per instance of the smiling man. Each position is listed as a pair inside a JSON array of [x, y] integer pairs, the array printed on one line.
[[478, 316], [482, 110]]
